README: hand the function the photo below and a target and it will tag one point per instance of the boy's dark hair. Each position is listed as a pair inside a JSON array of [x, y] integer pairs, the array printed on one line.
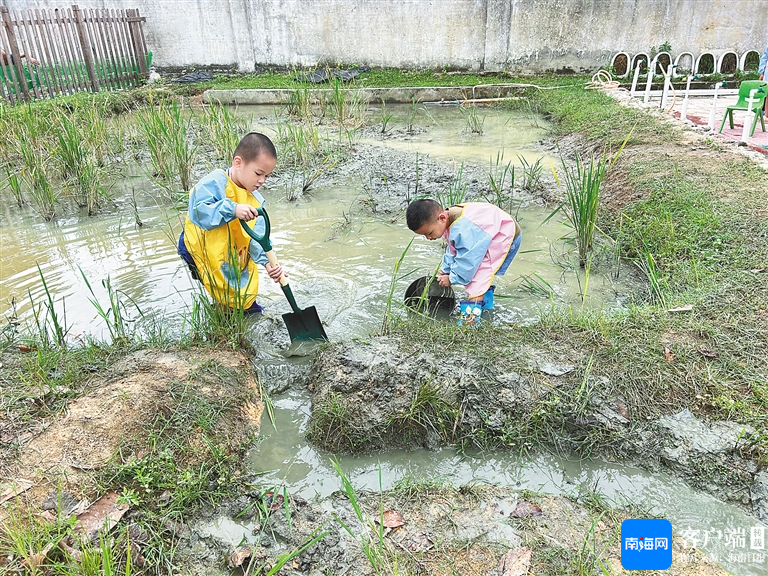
[[252, 145], [421, 212]]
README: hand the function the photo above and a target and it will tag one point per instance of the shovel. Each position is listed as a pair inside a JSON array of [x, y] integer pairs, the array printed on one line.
[[302, 324]]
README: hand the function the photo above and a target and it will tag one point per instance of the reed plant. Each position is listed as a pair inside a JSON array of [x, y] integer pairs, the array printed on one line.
[[657, 284], [28, 139], [182, 149], [222, 129], [582, 183], [375, 547], [151, 121], [347, 106], [394, 279], [168, 134], [14, 183], [474, 122], [72, 147], [385, 117], [51, 327], [530, 179], [300, 143], [535, 285], [212, 321], [38, 182], [412, 112], [79, 164], [304, 177], [456, 191], [115, 315], [300, 103], [501, 179], [96, 132]]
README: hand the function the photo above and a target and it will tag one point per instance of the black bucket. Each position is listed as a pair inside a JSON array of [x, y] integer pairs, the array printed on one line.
[[439, 299]]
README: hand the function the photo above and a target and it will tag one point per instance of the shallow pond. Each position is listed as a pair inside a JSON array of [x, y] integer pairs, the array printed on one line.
[[339, 255]]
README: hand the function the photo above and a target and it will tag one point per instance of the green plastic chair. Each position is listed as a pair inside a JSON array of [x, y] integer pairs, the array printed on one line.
[[741, 104]]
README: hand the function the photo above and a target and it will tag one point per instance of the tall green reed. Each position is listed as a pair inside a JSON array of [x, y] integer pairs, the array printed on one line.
[[474, 122], [222, 129], [212, 321], [657, 284], [582, 184], [28, 138], [385, 117], [300, 103], [347, 106], [38, 181], [501, 179], [14, 183], [169, 138], [530, 178], [79, 164], [116, 314], [456, 191], [394, 279], [375, 547], [182, 149], [51, 327]]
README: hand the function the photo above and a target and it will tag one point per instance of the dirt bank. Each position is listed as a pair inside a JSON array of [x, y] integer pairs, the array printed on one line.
[[431, 530]]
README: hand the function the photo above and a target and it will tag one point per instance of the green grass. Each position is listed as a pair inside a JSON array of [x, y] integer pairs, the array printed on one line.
[[374, 78], [698, 223]]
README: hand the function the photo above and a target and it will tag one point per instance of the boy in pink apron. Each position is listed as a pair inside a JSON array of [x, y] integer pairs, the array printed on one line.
[[482, 242]]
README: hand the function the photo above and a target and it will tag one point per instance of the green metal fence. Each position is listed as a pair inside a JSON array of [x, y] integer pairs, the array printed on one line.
[[44, 53]]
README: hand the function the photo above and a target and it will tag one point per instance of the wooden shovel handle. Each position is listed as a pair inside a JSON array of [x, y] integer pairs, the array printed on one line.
[[272, 259]]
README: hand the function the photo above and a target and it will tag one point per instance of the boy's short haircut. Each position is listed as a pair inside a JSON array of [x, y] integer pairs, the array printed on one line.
[[421, 212], [252, 145]]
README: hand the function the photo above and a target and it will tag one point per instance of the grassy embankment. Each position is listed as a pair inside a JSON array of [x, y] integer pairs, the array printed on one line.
[[693, 218]]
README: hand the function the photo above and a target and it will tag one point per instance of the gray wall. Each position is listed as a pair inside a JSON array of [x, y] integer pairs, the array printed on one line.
[[519, 35]]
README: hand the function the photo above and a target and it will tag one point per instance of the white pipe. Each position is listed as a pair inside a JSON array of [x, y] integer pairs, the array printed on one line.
[[684, 111], [711, 123], [650, 71], [749, 117], [635, 77], [665, 89]]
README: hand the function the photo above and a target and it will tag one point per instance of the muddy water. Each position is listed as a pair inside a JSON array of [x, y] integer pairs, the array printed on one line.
[[286, 459], [343, 266]]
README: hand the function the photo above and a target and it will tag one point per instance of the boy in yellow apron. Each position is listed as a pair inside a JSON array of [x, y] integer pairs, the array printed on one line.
[[218, 251]]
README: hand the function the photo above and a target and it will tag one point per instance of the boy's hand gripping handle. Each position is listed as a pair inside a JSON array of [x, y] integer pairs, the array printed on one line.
[[263, 240]]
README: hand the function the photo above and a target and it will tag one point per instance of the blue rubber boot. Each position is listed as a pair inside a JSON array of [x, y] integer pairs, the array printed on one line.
[[470, 313], [488, 298]]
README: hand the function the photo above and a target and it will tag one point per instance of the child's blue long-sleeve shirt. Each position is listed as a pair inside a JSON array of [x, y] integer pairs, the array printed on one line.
[[763, 61]]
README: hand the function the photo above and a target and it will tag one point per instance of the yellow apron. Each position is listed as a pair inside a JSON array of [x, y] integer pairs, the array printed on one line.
[[221, 255]]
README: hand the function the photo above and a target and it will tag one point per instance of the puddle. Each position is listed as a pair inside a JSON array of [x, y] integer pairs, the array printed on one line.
[[285, 458]]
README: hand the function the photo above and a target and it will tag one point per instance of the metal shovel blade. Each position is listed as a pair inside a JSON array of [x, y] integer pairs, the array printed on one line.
[[304, 325]]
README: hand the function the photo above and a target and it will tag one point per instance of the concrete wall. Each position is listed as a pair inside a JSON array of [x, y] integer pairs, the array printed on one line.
[[520, 35]]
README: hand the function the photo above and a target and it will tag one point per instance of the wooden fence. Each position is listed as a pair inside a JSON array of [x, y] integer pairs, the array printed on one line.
[[50, 52]]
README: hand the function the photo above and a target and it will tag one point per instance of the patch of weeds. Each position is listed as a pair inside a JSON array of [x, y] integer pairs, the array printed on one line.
[[376, 548], [190, 450], [332, 426], [474, 122], [30, 544], [429, 413]]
